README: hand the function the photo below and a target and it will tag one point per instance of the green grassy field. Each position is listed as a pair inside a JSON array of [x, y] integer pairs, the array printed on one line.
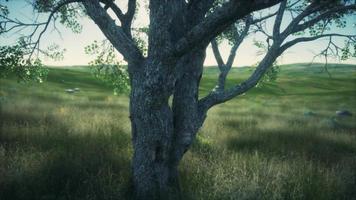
[[262, 145]]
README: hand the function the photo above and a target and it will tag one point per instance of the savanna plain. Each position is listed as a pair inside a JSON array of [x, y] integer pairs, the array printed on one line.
[[281, 140]]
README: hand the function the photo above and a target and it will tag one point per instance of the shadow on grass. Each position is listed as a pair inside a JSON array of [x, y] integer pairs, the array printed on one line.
[[56, 164], [23, 119], [100, 105], [286, 144]]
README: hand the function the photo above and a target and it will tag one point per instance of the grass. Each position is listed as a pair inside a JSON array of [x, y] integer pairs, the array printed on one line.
[[262, 145]]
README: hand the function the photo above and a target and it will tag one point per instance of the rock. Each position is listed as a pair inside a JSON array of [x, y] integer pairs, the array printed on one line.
[[70, 91], [309, 113], [76, 89], [343, 113]]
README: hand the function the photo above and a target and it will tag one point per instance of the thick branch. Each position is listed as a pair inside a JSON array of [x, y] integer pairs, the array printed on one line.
[[217, 97], [217, 55], [278, 20], [220, 96], [115, 34], [114, 8], [131, 8], [215, 23], [126, 24], [225, 68], [125, 19]]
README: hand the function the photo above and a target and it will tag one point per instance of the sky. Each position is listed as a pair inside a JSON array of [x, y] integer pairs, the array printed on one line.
[[75, 43]]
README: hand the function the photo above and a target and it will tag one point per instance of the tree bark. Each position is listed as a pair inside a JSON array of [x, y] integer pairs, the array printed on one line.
[[161, 134], [154, 174], [187, 117]]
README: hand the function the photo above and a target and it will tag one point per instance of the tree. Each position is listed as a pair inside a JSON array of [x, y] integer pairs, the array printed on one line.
[[178, 36], [316, 18]]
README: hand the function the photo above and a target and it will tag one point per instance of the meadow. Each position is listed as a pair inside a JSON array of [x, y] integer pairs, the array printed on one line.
[[281, 140]]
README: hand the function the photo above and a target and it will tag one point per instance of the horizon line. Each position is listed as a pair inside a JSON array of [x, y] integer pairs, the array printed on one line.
[[239, 66]]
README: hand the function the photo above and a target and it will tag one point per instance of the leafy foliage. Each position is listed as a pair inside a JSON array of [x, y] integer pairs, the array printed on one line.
[[68, 17], [348, 51], [105, 67], [67, 14], [54, 52], [22, 59], [12, 61], [271, 74], [336, 20], [233, 32], [115, 75], [4, 12]]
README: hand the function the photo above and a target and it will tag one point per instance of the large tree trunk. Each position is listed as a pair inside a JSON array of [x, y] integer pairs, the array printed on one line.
[[154, 173], [162, 135], [187, 118]]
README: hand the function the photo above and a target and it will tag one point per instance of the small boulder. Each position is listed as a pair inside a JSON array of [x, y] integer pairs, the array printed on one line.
[[70, 91], [343, 113]]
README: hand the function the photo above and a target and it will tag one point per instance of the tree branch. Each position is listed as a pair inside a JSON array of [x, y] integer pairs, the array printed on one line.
[[215, 23], [225, 69], [110, 4], [322, 16], [278, 20], [34, 45], [129, 15], [115, 34], [311, 8], [125, 19], [131, 8], [258, 20], [219, 96], [307, 39], [239, 40], [217, 55]]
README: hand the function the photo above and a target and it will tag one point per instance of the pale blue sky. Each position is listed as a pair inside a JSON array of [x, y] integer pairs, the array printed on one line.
[[75, 43]]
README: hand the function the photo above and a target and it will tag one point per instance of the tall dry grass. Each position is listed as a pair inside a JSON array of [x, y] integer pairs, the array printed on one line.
[[263, 145]]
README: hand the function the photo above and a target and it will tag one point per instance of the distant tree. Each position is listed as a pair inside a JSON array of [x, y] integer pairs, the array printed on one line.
[[178, 35]]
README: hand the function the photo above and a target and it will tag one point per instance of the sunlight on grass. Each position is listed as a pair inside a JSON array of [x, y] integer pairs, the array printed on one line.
[[263, 145]]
